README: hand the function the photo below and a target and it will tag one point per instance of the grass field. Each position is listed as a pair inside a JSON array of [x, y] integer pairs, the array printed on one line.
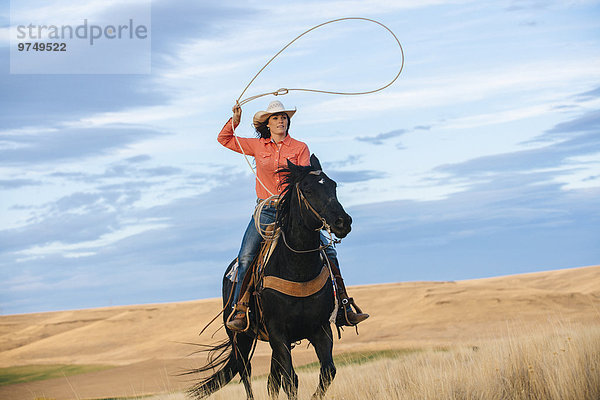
[[30, 373], [557, 364], [359, 358]]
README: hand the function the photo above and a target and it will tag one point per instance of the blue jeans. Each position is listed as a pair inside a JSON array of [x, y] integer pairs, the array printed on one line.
[[251, 246]]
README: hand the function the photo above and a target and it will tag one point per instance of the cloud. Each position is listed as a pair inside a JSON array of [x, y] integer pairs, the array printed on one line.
[[331, 9], [551, 156], [591, 94], [53, 99], [382, 137], [177, 22], [139, 159], [17, 183], [93, 252], [132, 170], [67, 12], [162, 171], [469, 88], [70, 143], [87, 248], [529, 23], [4, 35], [520, 5], [559, 155], [111, 202], [90, 222], [352, 159], [513, 223], [589, 122], [354, 176], [99, 204], [49, 100]]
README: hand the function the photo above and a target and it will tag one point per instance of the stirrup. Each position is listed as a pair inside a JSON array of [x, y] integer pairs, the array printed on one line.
[[342, 317], [243, 308]]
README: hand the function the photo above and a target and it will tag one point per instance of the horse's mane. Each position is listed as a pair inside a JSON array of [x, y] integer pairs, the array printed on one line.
[[291, 175]]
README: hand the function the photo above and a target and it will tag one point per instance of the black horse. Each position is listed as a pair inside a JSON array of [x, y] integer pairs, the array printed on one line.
[[288, 319]]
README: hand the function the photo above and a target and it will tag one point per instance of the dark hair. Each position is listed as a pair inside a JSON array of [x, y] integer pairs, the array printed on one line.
[[262, 131]]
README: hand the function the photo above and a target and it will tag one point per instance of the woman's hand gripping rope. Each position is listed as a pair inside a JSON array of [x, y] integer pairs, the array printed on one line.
[[237, 113]]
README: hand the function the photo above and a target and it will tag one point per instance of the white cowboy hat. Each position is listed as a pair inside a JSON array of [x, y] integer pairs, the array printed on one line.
[[274, 107]]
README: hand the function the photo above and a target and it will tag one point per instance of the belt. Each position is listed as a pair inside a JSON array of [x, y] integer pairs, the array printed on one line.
[[270, 203]]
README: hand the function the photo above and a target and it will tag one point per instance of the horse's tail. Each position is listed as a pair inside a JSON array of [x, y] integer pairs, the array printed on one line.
[[227, 358], [222, 359]]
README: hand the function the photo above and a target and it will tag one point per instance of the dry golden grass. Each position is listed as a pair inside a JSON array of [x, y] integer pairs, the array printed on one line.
[[556, 364]]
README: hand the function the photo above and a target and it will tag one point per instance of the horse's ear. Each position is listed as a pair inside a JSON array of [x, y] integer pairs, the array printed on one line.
[[314, 162], [290, 164]]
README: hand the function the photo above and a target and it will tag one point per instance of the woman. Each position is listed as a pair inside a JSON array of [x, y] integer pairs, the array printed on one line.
[[271, 150]]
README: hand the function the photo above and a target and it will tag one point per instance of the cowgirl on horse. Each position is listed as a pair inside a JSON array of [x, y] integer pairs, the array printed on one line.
[[271, 150]]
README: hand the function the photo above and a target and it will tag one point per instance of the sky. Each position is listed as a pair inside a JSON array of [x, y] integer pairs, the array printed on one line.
[[482, 159]]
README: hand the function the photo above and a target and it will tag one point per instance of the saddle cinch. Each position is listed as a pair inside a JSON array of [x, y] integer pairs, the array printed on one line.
[[255, 281]]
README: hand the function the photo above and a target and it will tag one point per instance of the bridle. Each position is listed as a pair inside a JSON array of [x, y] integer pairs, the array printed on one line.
[[324, 225], [303, 199]]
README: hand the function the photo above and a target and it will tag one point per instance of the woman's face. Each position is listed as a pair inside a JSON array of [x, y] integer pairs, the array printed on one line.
[[278, 124]]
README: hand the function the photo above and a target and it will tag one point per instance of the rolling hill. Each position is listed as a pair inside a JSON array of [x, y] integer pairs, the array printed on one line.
[[141, 348]]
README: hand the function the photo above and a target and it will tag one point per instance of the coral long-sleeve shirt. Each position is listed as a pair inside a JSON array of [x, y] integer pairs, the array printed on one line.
[[269, 157]]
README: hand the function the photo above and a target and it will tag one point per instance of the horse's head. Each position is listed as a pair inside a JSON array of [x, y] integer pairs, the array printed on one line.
[[317, 197]]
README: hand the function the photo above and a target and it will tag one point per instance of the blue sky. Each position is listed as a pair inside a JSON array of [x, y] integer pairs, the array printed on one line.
[[483, 159]]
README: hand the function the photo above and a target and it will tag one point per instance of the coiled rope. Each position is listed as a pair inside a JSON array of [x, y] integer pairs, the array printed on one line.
[[284, 91]]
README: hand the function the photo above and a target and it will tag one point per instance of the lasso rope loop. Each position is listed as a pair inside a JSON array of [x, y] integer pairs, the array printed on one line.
[[284, 91]]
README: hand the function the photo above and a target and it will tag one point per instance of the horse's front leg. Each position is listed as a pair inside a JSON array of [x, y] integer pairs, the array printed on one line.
[[322, 341], [282, 371]]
